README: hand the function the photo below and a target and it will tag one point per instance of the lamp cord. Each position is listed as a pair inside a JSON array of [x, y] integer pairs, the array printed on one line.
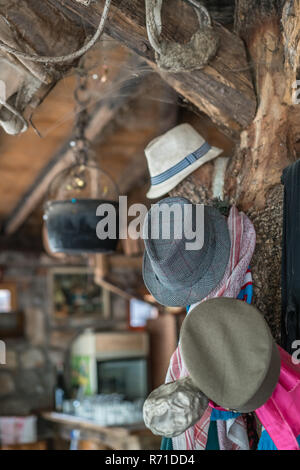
[[81, 145]]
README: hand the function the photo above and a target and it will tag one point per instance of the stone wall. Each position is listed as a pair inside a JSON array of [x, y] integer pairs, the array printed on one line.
[[28, 377], [26, 380]]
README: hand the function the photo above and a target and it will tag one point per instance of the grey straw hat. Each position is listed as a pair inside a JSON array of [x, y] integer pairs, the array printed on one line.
[[174, 274], [229, 351]]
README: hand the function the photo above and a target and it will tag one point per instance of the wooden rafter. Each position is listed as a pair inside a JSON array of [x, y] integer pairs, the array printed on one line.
[[223, 90]]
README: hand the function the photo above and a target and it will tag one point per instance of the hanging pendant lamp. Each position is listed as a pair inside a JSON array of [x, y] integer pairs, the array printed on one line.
[[75, 194]]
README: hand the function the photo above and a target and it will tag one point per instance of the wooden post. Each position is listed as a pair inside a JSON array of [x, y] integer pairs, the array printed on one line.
[[101, 267]]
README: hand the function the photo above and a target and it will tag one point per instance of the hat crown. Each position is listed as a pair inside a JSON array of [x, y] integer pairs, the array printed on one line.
[[170, 148], [230, 354], [179, 271], [171, 157], [169, 254]]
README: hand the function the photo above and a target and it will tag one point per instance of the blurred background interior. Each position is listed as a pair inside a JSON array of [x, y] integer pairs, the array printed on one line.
[[84, 341]]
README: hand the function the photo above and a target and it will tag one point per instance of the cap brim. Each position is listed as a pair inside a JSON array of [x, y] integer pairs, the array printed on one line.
[[174, 297], [267, 387]]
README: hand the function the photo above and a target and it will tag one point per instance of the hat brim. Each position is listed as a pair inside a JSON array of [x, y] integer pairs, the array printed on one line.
[[172, 296], [165, 187]]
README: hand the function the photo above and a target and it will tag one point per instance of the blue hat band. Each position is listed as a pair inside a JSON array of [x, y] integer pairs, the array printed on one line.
[[180, 166]]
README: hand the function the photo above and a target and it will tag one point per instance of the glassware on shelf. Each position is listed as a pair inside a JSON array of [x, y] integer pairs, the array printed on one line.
[[107, 410]]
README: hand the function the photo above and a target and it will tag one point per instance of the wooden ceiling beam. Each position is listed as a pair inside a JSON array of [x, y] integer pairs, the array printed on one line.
[[223, 90]]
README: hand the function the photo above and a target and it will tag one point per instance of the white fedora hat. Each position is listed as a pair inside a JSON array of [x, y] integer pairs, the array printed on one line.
[[174, 155]]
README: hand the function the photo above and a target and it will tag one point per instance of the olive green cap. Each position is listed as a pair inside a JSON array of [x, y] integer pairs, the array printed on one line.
[[229, 351]]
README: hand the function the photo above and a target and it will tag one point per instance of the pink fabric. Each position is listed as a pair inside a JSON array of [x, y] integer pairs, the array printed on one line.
[[201, 429], [224, 442], [280, 415], [243, 239], [217, 407]]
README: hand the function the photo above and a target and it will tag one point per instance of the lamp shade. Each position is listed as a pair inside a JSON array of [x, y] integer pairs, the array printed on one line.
[[70, 212]]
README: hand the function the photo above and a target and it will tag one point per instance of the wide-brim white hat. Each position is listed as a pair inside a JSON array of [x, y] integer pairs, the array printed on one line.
[[174, 155]]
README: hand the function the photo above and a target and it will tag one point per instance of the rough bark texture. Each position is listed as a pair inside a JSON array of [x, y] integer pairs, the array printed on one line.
[[39, 28], [34, 28], [267, 145]]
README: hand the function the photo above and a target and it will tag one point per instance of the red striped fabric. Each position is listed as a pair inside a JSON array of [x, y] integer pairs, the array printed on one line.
[[237, 274]]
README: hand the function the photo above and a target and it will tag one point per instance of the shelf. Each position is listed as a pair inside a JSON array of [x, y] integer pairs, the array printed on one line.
[[125, 437]]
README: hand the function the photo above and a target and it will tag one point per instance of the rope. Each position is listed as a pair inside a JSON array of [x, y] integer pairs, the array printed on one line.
[[15, 113], [177, 57], [202, 12], [81, 149], [153, 23], [53, 60], [65, 58]]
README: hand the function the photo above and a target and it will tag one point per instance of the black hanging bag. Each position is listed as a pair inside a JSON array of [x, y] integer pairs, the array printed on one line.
[[290, 282]]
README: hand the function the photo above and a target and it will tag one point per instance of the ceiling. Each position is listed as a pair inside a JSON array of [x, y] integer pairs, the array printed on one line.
[[129, 106]]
